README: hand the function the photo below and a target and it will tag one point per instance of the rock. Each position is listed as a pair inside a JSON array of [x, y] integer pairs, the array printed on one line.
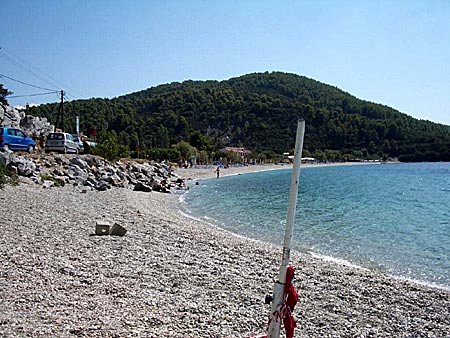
[[61, 180], [26, 168], [142, 187], [48, 184], [5, 157], [102, 186], [80, 163], [35, 127]]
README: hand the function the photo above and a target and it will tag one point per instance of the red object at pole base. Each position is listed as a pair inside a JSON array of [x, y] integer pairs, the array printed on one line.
[[291, 297]]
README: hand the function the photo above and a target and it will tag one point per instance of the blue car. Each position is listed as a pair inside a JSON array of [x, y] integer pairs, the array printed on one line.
[[15, 139]]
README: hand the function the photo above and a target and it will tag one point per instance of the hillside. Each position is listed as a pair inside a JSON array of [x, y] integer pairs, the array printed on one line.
[[259, 111]]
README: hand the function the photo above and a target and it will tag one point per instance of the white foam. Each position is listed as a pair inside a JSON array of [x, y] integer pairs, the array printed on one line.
[[215, 226], [420, 282], [339, 261]]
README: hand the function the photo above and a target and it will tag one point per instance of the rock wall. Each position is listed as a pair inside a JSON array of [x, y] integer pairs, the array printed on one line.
[[36, 127], [92, 172]]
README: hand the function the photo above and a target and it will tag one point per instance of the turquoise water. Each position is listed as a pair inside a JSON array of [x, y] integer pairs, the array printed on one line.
[[393, 217]]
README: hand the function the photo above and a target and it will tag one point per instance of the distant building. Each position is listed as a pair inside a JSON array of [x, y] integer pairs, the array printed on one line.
[[309, 160], [238, 150]]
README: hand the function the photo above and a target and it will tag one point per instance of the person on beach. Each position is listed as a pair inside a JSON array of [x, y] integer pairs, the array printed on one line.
[[218, 172]]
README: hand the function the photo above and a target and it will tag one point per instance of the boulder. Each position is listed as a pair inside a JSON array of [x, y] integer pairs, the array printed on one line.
[[142, 187], [103, 186], [5, 157], [48, 184], [26, 168]]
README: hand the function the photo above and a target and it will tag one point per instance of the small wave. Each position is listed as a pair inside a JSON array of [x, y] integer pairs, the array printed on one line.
[[401, 278], [421, 282], [338, 261], [215, 226], [190, 216], [206, 220]]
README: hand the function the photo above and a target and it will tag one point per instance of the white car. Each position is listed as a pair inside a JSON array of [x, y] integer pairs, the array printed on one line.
[[62, 142], [77, 140]]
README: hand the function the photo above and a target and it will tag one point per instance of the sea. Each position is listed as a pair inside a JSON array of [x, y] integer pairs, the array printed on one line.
[[394, 218]]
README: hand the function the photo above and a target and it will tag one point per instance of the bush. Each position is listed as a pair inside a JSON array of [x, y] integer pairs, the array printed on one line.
[[50, 178], [3, 176], [161, 154], [185, 150], [6, 176], [108, 147]]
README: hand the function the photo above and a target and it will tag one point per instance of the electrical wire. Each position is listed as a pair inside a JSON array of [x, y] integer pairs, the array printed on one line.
[[14, 96], [27, 84], [11, 59], [23, 68]]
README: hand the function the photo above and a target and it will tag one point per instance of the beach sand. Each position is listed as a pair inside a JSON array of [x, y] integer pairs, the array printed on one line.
[[173, 276]]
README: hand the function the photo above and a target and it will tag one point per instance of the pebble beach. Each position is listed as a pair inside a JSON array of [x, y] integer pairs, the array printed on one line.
[[173, 276]]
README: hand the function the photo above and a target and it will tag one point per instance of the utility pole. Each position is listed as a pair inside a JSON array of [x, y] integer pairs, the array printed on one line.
[[62, 110]]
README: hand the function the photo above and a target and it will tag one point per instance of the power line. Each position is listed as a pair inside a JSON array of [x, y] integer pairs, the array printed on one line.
[[14, 96], [11, 57], [8, 58], [24, 83], [69, 97]]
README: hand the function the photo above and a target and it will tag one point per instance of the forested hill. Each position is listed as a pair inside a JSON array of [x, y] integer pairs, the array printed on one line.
[[259, 111]]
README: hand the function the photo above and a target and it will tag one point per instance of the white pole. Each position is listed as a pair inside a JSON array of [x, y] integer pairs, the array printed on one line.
[[278, 289], [77, 125]]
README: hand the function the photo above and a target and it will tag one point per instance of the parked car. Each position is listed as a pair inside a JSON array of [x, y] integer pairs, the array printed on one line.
[[15, 139], [77, 139], [61, 142]]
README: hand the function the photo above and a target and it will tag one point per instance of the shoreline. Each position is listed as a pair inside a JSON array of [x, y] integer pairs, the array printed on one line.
[[207, 173], [330, 259], [170, 276], [194, 174]]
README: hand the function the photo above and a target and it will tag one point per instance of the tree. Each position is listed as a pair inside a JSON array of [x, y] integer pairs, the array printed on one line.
[[108, 147], [3, 94], [163, 137], [185, 149], [199, 141]]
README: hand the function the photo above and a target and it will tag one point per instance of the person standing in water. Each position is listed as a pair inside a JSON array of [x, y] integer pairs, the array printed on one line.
[[218, 172]]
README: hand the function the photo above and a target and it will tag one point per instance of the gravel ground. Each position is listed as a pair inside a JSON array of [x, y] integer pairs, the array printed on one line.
[[175, 277]]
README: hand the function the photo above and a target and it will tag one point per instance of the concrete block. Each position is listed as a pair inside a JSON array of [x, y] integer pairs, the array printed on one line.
[[118, 230], [102, 227]]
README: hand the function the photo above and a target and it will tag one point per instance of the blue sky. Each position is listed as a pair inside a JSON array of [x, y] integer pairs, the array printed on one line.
[[392, 52]]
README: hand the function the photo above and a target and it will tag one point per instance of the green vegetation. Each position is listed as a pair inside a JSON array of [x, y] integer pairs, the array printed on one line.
[[258, 111], [3, 175], [3, 94], [50, 178], [108, 147], [6, 176]]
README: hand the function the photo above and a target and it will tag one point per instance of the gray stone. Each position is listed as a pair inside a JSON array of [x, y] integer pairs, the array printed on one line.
[[26, 168], [47, 184], [103, 186], [142, 187]]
